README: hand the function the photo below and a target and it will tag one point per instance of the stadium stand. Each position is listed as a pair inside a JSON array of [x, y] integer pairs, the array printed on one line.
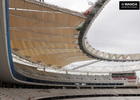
[[51, 41], [33, 94]]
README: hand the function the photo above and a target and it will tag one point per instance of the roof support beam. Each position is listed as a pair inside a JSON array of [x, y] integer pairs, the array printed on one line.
[[85, 65]]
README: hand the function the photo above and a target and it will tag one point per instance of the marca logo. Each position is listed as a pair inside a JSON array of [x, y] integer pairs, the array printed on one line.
[[129, 5]]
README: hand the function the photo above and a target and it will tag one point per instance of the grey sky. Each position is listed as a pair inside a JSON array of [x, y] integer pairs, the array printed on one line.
[[114, 30], [77, 5]]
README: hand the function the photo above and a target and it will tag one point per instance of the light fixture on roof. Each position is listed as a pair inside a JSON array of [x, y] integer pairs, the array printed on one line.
[[75, 36], [77, 47], [76, 42]]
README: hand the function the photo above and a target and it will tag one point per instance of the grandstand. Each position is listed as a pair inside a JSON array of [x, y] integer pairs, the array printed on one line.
[[38, 39]]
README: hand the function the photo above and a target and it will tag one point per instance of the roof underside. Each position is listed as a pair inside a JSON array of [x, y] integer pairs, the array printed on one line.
[[44, 33]]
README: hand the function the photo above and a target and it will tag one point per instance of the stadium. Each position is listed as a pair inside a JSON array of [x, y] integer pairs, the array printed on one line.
[[47, 52]]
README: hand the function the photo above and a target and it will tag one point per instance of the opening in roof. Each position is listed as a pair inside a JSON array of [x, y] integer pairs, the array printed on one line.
[[115, 31]]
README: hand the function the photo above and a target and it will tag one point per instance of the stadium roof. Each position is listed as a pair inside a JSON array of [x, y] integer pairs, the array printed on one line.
[[47, 34]]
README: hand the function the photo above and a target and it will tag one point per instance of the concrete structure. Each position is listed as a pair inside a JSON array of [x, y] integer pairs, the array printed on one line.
[[50, 36]]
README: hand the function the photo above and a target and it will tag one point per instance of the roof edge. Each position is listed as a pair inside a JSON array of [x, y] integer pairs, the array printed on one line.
[[57, 8]]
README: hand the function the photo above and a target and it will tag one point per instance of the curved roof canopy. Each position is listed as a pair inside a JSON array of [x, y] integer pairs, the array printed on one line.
[[91, 51], [49, 35], [44, 33]]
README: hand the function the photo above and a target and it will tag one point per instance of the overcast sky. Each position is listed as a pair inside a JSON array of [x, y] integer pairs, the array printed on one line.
[[77, 5], [114, 30]]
